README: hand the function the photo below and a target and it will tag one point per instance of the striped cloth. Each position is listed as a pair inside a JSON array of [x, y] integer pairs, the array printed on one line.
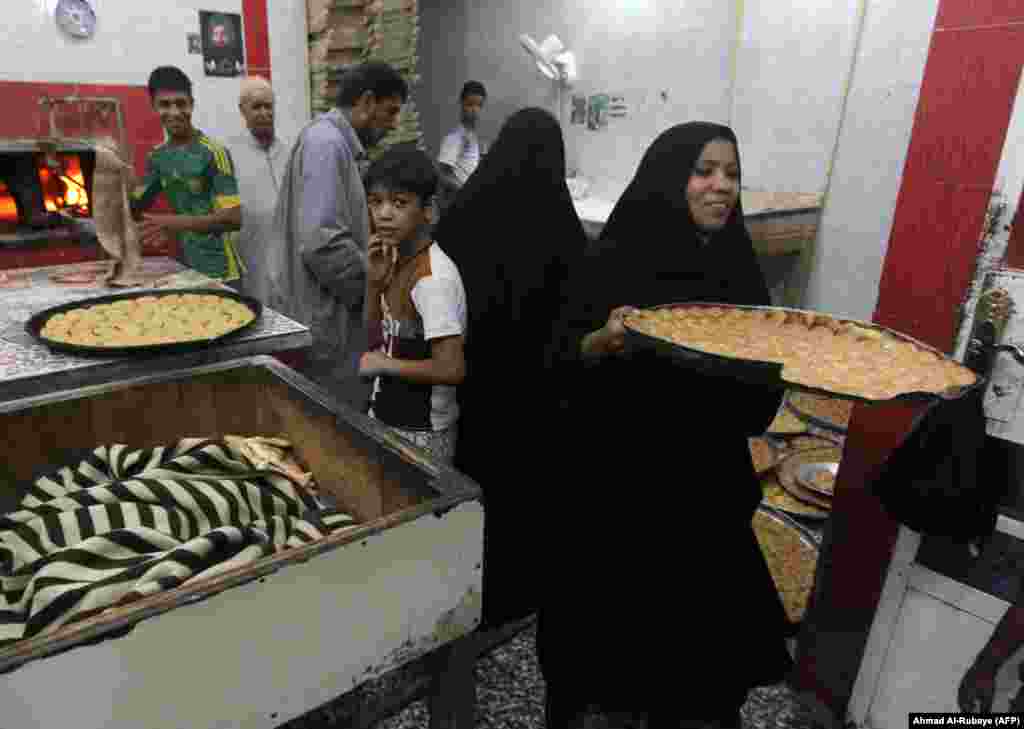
[[123, 524]]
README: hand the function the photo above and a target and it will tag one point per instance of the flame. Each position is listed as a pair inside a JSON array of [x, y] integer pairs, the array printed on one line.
[[8, 208], [64, 191]]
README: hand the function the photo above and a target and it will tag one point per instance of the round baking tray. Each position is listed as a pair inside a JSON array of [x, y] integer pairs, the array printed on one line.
[[787, 475], [35, 324], [806, 472], [803, 413], [770, 373], [800, 511]]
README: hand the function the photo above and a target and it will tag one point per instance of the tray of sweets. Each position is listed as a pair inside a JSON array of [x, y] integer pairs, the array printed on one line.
[[791, 554], [800, 350], [144, 322]]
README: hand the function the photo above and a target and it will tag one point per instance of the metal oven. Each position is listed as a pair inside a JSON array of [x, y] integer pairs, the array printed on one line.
[[46, 172]]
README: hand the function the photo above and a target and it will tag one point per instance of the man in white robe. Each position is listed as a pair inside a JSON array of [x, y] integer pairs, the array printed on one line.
[[261, 158]]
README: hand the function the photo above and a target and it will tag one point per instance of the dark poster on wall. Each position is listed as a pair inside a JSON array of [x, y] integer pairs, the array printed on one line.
[[223, 51]]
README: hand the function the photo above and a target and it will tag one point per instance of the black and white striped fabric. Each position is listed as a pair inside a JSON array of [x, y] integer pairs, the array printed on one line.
[[125, 523]]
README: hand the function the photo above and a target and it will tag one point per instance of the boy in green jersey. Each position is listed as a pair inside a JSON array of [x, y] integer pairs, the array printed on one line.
[[197, 175]]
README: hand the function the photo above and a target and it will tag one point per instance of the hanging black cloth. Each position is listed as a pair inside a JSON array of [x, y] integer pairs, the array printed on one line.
[[652, 554], [947, 477], [514, 234]]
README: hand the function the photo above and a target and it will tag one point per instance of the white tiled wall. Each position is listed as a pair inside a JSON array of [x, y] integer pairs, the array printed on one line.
[[792, 68], [873, 141], [778, 70]]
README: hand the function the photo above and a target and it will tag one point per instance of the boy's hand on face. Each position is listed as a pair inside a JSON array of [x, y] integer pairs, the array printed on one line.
[[372, 364], [382, 253]]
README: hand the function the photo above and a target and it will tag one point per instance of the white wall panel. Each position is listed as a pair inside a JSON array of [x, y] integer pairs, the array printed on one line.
[[286, 21], [871, 151], [792, 67]]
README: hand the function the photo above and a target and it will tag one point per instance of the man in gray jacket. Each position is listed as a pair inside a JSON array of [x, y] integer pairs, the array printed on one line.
[[318, 275]]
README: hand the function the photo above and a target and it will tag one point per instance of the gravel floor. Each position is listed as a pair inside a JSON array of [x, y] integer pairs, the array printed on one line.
[[510, 695]]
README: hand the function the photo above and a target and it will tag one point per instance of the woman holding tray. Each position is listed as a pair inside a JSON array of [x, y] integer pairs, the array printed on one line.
[[652, 551]]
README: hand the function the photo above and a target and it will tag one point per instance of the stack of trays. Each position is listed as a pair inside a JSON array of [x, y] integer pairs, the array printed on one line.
[[797, 463], [832, 414]]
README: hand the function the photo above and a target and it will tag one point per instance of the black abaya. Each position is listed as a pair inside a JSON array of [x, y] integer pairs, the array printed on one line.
[[660, 599], [514, 234]]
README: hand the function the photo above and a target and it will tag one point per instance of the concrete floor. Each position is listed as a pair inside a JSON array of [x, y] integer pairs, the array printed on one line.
[[510, 695]]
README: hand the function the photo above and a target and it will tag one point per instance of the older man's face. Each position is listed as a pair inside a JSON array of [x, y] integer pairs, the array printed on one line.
[[258, 111]]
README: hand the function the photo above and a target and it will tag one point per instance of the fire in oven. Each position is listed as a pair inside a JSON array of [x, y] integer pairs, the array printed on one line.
[[43, 187], [46, 177]]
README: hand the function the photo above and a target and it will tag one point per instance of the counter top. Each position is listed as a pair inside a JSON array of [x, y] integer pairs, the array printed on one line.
[[755, 203], [28, 368]]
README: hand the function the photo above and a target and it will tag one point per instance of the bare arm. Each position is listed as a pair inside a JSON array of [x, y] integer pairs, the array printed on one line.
[[224, 220], [446, 366], [609, 339], [381, 258]]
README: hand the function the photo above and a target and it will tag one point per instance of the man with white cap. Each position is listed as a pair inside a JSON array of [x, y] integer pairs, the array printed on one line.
[[260, 158]]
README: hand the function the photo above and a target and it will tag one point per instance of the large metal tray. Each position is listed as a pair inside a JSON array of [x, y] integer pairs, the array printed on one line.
[[805, 473], [817, 517], [789, 467], [770, 373], [35, 324]]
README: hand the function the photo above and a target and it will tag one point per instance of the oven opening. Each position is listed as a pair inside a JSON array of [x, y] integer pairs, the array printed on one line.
[[44, 190], [64, 189]]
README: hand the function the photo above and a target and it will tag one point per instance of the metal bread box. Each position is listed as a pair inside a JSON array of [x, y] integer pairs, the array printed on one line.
[[254, 646]]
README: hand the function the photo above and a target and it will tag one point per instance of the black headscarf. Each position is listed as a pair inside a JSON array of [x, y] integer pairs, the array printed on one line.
[[650, 247], [651, 252], [512, 231], [514, 234]]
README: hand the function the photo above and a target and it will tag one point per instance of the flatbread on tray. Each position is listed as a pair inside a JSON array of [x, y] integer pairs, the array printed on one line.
[[815, 350]]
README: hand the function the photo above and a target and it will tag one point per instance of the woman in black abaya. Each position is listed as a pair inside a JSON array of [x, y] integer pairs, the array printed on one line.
[[660, 600], [513, 232]]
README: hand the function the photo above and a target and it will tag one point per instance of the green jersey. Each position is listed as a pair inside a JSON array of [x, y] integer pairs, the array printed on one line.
[[198, 179]]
